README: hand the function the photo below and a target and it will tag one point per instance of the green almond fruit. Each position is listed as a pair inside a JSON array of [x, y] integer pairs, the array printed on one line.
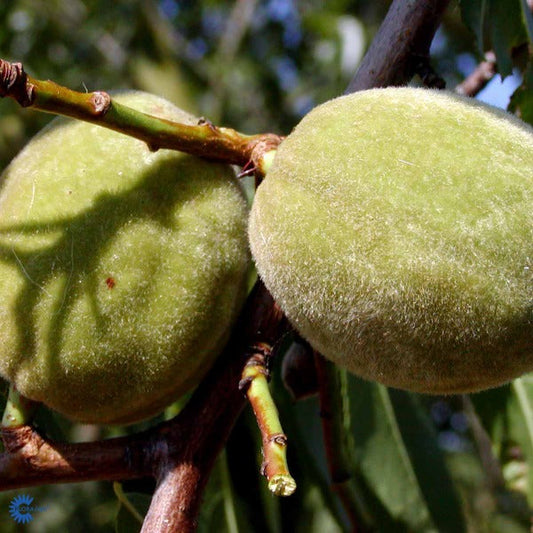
[[395, 230], [122, 270]]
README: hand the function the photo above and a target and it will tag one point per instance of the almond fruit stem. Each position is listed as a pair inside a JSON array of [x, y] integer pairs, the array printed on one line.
[[203, 140], [18, 410], [254, 381]]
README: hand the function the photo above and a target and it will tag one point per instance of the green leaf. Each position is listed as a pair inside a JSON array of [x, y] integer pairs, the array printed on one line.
[[507, 31], [522, 99], [522, 423], [397, 453], [428, 461], [128, 522], [473, 13], [222, 510], [381, 454], [501, 26], [528, 18], [506, 413]]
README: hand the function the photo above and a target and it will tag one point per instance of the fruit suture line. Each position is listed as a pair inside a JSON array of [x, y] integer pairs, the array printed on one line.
[[204, 139]]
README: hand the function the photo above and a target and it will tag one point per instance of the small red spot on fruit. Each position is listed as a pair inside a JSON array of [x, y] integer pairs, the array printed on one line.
[[110, 282]]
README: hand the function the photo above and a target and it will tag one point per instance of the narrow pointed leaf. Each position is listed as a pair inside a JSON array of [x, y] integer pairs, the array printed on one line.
[[397, 453]]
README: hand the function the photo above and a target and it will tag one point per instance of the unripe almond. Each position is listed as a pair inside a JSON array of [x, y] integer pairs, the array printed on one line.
[[121, 270], [395, 230]]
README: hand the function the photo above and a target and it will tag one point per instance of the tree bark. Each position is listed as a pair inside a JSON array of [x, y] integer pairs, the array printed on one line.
[[400, 45]]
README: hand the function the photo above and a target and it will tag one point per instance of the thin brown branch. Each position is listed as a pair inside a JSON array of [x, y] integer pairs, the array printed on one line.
[[479, 77], [402, 40], [491, 466]]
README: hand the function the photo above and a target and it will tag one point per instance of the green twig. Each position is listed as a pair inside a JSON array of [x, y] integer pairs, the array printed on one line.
[[18, 410], [124, 500], [203, 140], [254, 381]]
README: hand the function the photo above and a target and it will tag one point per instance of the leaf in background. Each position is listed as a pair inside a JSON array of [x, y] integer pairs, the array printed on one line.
[[420, 440], [506, 413], [522, 99], [521, 415], [503, 27], [508, 31], [527, 16], [473, 13], [307, 462], [397, 453], [222, 510], [126, 521], [381, 455]]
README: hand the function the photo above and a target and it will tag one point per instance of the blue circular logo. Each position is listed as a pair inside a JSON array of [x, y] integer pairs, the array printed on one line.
[[20, 509]]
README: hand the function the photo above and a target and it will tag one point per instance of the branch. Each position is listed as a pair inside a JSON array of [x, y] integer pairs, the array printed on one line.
[[203, 140], [479, 77], [209, 418], [401, 42], [31, 460]]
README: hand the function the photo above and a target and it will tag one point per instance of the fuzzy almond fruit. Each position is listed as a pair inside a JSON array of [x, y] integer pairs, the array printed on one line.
[[395, 230], [121, 270]]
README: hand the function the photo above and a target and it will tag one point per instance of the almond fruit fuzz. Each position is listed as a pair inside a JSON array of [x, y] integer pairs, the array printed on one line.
[[395, 230], [122, 270]]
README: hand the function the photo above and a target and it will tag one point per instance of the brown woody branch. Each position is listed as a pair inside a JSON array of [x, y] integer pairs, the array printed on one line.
[[31, 460], [402, 41], [479, 77], [339, 463], [209, 418]]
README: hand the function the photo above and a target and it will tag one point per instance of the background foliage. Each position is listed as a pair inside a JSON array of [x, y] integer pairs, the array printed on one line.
[[419, 463]]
